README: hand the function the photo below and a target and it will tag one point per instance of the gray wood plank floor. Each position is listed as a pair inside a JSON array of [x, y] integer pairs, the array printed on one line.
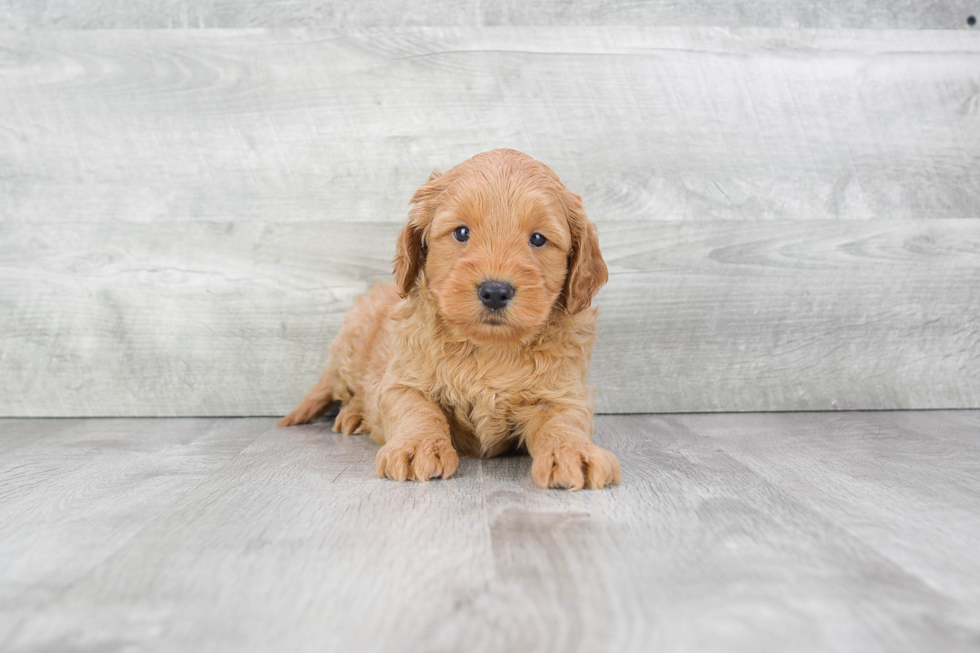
[[737, 532]]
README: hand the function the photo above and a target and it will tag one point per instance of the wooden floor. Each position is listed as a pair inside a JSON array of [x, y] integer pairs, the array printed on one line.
[[747, 532]]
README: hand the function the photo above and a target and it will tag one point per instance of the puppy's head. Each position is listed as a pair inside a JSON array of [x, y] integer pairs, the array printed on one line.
[[499, 243]]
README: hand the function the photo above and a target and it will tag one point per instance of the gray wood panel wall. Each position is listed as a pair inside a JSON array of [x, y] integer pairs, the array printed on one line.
[[789, 216], [161, 14]]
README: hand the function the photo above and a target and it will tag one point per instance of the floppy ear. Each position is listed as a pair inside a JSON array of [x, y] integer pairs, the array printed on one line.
[[587, 272], [410, 250]]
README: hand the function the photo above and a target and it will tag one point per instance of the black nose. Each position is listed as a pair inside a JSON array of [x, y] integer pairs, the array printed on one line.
[[495, 294]]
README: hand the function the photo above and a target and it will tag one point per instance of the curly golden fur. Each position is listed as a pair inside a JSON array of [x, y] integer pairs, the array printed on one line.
[[428, 368]]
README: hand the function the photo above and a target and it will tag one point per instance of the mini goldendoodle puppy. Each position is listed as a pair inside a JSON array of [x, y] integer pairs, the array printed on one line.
[[482, 344]]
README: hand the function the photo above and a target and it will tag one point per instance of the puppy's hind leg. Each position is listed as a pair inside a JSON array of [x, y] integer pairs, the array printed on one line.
[[315, 402], [349, 419]]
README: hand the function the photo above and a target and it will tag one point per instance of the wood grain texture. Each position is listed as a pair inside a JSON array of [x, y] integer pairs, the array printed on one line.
[[141, 14], [225, 319], [647, 124], [803, 532], [790, 216], [803, 457], [73, 492]]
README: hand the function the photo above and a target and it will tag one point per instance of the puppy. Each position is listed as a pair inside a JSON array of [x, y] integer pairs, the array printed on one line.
[[482, 344]]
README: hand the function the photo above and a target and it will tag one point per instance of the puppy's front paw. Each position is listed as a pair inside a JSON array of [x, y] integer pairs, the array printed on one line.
[[575, 465], [417, 459]]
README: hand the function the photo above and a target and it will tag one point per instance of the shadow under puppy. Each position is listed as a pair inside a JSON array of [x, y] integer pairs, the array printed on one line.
[[482, 343]]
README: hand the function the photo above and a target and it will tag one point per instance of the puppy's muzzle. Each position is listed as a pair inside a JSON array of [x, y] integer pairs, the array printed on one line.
[[495, 294]]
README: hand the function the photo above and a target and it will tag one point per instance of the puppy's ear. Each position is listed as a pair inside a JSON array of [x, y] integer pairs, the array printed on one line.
[[411, 248], [587, 272]]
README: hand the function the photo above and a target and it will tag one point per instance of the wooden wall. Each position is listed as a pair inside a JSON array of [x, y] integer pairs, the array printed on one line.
[[192, 193], [347, 14]]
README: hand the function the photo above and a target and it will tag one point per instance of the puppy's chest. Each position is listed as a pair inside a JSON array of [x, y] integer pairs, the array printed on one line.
[[482, 395]]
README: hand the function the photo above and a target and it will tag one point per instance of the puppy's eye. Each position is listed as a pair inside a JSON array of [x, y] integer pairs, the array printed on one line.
[[537, 240], [462, 234]]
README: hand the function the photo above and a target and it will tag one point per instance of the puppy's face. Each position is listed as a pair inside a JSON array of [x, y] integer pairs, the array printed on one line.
[[496, 264], [500, 244]]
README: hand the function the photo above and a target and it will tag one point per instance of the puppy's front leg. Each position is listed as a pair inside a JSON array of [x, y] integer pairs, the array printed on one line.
[[417, 443], [559, 439]]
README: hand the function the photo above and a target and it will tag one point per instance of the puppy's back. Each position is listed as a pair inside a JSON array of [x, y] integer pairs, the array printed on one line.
[[358, 353]]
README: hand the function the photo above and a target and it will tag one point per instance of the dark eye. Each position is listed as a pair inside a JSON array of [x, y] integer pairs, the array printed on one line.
[[537, 240], [462, 234]]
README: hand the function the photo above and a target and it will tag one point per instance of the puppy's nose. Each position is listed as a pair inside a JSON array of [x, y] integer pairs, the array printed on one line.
[[495, 294]]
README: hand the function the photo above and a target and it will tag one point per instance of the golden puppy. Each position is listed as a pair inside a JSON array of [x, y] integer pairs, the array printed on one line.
[[482, 344]]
